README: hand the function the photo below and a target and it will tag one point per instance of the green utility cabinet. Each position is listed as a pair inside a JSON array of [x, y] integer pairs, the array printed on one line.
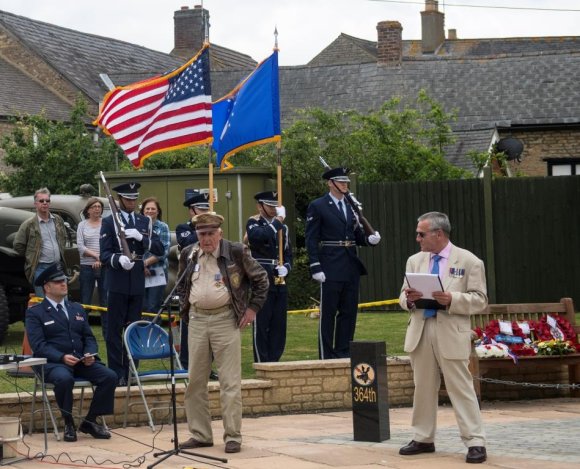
[[233, 193]]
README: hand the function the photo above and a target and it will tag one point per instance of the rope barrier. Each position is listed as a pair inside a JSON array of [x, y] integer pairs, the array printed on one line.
[[360, 306], [36, 299]]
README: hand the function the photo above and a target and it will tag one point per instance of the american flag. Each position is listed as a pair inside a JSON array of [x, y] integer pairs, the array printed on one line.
[[163, 113]]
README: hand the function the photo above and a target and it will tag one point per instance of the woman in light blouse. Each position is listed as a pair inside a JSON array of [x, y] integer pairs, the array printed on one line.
[[155, 266], [88, 235]]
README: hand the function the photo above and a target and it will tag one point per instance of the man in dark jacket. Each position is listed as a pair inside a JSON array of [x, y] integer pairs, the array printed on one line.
[[126, 274], [222, 291], [59, 331], [41, 239], [333, 233]]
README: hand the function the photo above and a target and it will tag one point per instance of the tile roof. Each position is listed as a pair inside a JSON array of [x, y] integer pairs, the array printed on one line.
[[222, 58], [527, 89], [489, 82], [20, 94], [346, 49], [81, 57]]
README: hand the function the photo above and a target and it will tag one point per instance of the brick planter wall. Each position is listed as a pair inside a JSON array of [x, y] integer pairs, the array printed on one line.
[[297, 387]]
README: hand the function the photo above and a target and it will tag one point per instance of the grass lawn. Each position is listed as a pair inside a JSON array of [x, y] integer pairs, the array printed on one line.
[[301, 342]]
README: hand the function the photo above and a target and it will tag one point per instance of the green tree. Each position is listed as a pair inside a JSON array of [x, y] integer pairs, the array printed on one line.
[[58, 155]]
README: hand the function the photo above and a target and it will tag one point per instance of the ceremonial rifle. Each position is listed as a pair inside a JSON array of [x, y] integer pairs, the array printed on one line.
[[119, 224]]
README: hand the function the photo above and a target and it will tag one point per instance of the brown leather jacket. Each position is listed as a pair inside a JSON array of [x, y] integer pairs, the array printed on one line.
[[245, 279]]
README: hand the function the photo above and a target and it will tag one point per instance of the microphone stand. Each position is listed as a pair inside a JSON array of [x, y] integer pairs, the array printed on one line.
[[176, 451]]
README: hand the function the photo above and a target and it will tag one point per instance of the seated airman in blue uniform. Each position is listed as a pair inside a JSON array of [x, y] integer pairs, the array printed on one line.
[[59, 331]]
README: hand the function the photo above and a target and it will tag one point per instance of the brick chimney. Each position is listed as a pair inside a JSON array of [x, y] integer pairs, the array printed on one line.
[[189, 30], [432, 27], [389, 43]]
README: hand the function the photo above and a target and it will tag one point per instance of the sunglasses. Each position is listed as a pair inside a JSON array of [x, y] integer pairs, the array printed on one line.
[[422, 234], [43, 201]]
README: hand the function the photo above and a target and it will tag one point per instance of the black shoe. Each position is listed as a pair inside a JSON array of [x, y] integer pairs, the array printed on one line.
[[70, 434], [476, 455], [122, 382], [416, 447], [213, 376], [95, 430]]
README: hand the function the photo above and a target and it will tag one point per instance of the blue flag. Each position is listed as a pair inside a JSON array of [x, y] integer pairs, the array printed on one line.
[[248, 115]]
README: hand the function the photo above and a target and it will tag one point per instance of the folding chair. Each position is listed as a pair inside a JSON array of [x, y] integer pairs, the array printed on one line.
[[79, 383], [145, 340]]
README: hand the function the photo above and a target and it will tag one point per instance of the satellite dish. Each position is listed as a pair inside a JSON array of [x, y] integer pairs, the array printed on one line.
[[512, 147]]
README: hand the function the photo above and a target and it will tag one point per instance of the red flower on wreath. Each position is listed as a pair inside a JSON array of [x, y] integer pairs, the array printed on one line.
[[543, 330], [492, 329]]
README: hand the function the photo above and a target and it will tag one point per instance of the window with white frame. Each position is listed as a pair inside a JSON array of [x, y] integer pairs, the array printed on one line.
[[563, 166]]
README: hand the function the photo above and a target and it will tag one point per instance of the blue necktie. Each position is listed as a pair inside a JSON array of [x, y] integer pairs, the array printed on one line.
[[130, 222], [61, 310], [341, 209], [429, 313]]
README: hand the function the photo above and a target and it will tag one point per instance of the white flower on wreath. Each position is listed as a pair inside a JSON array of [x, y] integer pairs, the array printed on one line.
[[492, 350]]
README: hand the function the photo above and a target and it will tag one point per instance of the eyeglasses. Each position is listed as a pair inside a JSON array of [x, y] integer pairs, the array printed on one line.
[[422, 234], [43, 201]]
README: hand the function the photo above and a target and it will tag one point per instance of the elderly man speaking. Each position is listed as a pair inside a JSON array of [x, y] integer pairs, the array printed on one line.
[[222, 291]]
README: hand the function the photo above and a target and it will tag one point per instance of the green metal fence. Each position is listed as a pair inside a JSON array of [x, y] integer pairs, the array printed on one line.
[[524, 229]]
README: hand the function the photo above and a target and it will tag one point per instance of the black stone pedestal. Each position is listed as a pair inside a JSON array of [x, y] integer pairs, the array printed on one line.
[[370, 404]]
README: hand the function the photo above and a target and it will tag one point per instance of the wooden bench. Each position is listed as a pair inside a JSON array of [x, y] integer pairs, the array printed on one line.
[[525, 312]]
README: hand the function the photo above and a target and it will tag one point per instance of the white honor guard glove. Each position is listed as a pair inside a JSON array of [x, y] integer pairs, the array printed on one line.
[[126, 263], [281, 212], [133, 233], [319, 277], [374, 238], [282, 271]]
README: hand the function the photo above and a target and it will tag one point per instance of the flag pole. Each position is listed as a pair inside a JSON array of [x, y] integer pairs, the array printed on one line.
[[210, 174], [279, 280]]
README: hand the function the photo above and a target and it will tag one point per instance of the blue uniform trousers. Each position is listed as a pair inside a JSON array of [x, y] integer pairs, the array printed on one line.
[[63, 378], [338, 311], [269, 328], [123, 310]]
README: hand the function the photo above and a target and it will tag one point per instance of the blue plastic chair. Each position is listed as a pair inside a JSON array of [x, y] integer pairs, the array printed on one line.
[[145, 340]]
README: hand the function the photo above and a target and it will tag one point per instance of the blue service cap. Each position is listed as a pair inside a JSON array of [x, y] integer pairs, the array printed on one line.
[[129, 190], [337, 174], [198, 200], [268, 198], [52, 273]]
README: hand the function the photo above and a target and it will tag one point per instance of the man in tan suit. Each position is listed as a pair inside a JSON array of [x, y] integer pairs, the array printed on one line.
[[438, 340]]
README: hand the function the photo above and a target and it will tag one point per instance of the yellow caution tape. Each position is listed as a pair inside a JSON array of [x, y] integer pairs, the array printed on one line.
[[371, 304]]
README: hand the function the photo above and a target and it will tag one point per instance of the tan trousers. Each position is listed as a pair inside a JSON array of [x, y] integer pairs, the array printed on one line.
[[220, 335], [427, 363]]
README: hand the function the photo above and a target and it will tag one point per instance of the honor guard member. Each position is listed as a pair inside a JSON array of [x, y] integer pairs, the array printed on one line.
[[332, 236], [59, 331], [262, 231], [126, 275], [185, 233], [198, 203]]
